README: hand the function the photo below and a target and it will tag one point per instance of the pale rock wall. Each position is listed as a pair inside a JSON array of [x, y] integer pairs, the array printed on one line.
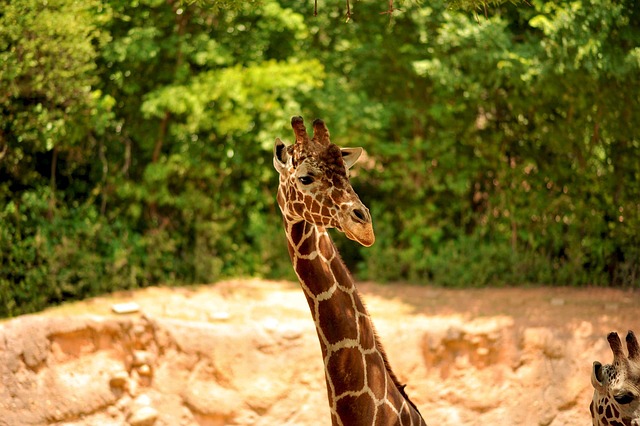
[[139, 370]]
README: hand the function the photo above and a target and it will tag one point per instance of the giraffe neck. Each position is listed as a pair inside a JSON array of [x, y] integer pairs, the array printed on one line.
[[361, 387]]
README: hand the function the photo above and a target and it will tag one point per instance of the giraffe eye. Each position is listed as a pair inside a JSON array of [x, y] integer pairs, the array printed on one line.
[[305, 180], [625, 398]]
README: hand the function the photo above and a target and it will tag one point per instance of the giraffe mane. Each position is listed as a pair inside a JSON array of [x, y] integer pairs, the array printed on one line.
[[387, 365], [383, 353]]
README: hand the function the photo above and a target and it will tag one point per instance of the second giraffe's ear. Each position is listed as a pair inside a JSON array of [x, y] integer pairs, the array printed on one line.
[[280, 156], [350, 156]]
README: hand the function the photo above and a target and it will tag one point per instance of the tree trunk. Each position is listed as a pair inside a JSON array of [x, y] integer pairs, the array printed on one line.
[[52, 182]]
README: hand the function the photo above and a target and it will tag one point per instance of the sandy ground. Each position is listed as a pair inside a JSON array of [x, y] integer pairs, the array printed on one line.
[[241, 301], [501, 356]]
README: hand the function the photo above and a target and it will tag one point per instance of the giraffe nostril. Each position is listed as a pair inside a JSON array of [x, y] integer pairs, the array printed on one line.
[[360, 215]]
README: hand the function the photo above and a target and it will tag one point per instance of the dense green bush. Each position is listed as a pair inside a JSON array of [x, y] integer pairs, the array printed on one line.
[[135, 145]]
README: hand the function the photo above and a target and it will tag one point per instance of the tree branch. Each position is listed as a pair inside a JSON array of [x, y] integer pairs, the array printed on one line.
[[52, 182]]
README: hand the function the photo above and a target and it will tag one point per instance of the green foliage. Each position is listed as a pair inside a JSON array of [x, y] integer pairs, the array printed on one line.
[[511, 162], [481, 6], [136, 144], [47, 69]]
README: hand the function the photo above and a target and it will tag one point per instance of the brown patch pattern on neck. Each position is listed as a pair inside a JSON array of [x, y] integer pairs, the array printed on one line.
[[361, 386]]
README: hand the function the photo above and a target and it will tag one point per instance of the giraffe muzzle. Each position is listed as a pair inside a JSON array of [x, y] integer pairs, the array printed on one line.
[[357, 226]]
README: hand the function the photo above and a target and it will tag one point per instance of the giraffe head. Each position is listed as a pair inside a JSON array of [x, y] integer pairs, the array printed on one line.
[[616, 399], [314, 183]]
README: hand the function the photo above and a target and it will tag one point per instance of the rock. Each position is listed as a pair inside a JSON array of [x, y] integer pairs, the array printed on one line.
[[119, 379], [143, 416], [144, 370], [541, 340], [141, 401], [291, 333], [479, 344], [58, 371], [142, 357], [125, 308], [32, 351], [139, 329], [219, 316], [113, 412], [123, 403], [212, 400]]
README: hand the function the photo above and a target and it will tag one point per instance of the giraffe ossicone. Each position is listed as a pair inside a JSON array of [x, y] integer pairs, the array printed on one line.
[[616, 395], [315, 194]]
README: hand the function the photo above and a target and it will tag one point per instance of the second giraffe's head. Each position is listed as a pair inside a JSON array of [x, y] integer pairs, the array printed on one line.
[[616, 396], [314, 183]]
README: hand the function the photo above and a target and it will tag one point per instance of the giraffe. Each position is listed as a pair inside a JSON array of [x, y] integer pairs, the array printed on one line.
[[315, 194], [617, 386]]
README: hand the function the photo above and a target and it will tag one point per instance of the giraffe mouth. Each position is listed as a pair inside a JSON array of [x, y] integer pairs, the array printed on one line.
[[361, 233]]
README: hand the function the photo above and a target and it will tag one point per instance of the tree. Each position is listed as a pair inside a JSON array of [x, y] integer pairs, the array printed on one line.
[[137, 142]]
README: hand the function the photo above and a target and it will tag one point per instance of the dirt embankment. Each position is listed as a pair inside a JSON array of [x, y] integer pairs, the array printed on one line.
[[245, 353]]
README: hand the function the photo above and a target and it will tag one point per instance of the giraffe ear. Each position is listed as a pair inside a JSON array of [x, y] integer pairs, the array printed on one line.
[[597, 376], [632, 346], [350, 156], [280, 155]]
